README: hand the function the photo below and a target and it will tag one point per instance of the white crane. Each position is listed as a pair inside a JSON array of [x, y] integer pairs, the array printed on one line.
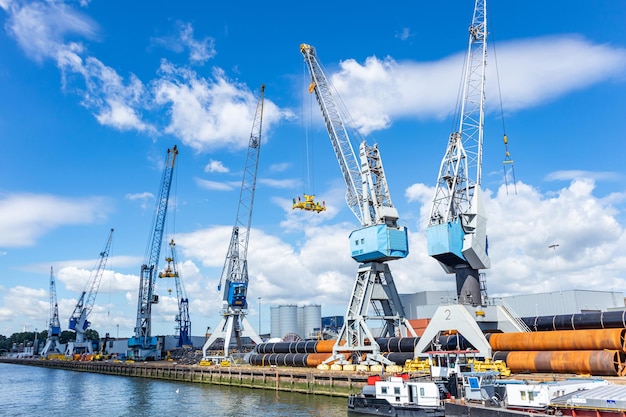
[[183, 321], [53, 344], [235, 271], [457, 227], [380, 238], [79, 320]]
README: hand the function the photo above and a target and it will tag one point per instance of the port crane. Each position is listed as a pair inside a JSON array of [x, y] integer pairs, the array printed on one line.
[[235, 271], [53, 343], [183, 322], [79, 319], [457, 228], [379, 239], [143, 345]]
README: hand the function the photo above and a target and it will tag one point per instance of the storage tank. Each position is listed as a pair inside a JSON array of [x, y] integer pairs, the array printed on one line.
[[301, 322], [288, 315], [275, 323], [312, 320]]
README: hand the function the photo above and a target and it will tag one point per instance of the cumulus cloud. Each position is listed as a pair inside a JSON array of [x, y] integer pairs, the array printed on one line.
[[215, 166], [25, 217], [531, 72], [214, 185], [204, 113]]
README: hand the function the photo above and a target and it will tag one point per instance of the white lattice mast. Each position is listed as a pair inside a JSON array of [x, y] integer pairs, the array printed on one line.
[[53, 344], [380, 238], [79, 322], [457, 228], [235, 272]]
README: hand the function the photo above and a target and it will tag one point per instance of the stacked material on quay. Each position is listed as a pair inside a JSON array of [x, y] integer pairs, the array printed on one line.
[[593, 351], [577, 321], [311, 353]]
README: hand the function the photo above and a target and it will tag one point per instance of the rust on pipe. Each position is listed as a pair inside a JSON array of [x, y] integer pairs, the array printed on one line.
[[598, 339], [326, 346], [315, 359], [593, 362]]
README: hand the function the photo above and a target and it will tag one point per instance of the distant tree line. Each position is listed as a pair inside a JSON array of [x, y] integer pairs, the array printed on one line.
[[9, 344]]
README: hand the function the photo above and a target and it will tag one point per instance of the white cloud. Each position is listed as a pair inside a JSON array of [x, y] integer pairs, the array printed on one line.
[[280, 167], [575, 174], [25, 217], [215, 166], [40, 27], [140, 196], [214, 185], [199, 51], [210, 113], [531, 72], [284, 183]]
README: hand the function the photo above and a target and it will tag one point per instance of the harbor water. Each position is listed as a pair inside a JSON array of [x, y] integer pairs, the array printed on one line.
[[32, 390]]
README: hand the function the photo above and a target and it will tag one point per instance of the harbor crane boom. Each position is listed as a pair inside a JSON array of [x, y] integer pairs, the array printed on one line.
[[380, 238], [53, 343], [235, 271], [182, 318], [79, 319], [457, 228], [143, 345]]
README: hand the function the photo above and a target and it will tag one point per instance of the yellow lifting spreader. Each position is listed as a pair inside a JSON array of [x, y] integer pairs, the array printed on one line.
[[308, 204]]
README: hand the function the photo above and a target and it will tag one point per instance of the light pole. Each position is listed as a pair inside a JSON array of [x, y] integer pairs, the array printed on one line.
[[556, 262], [259, 298], [554, 246]]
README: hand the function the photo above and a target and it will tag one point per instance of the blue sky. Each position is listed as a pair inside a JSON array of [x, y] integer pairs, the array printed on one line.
[[95, 92]]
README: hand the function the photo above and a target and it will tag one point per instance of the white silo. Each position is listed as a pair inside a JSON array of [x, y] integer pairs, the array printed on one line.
[[312, 320], [288, 320], [275, 322], [301, 322]]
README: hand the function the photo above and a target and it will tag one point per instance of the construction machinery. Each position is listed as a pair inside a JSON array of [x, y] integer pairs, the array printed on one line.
[[79, 319], [53, 345], [235, 271], [379, 239], [143, 346], [183, 322], [457, 229]]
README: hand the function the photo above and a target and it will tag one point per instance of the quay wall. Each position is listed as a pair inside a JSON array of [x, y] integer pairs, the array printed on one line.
[[306, 381]]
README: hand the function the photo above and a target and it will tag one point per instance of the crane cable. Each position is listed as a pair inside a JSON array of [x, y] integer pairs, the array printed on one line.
[[507, 162], [308, 163]]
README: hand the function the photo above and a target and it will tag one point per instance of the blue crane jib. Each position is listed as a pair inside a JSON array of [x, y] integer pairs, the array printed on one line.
[[379, 243]]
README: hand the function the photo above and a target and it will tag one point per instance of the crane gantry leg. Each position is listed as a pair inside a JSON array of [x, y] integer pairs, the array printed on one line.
[[232, 322], [373, 286]]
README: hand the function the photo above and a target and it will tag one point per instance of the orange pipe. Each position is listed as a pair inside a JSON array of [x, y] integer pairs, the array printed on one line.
[[326, 346], [314, 359], [594, 362], [598, 339]]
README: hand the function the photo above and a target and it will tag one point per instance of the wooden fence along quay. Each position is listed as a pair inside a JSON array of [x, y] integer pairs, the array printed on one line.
[[306, 381]]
